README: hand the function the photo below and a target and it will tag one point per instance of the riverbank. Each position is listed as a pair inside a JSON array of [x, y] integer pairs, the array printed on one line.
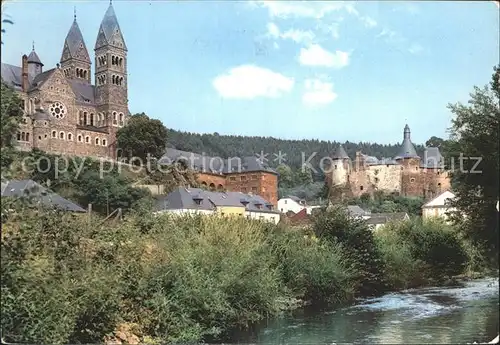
[[450, 315], [170, 279]]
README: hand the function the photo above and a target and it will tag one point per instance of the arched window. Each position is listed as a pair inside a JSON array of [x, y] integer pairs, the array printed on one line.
[[212, 187], [87, 139], [103, 142], [23, 136], [85, 118], [79, 138], [54, 134], [91, 119], [18, 136], [80, 118], [61, 135], [97, 141], [115, 118], [27, 137], [70, 136], [121, 119]]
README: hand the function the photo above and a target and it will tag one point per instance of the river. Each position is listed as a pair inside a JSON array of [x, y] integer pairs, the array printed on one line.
[[428, 315]]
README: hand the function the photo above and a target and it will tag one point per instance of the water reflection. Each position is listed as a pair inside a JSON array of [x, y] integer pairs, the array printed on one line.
[[453, 315]]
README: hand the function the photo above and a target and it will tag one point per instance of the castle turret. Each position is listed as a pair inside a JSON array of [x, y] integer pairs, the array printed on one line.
[[34, 63], [75, 59], [407, 150]]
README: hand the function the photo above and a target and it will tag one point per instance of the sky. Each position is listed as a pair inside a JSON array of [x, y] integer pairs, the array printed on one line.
[[332, 70]]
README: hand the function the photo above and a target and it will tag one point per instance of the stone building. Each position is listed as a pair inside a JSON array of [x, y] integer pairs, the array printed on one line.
[[407, 174], [64, 113], [246, 174]]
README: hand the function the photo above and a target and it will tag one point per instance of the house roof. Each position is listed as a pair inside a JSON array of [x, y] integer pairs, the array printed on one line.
[[432, 159], [12, 75], [382, 218], [215, 165], [356, 211], [440, 200], [186, 198], [21, 188], [300, 217]]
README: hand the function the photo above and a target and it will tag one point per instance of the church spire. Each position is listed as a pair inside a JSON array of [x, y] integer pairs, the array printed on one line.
[[74, 45], [110, 33]]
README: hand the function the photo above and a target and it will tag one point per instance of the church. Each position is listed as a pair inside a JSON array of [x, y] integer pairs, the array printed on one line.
[[64, 113]]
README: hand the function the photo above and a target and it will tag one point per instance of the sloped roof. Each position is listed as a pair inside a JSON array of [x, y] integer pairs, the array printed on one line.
[[393, 216], [407, 150], [33, 57], [185, 198], [340, 153], [440, 200], [12, 75], [432, 159], [356, 211], [22, 188], [84, 92], [215, 165], [109, 25], [41, 78], [73, 43]]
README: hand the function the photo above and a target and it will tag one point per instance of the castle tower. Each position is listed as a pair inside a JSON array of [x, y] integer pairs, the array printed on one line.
[[337, 177], [75, 59], [407, 150], [34, 63], [111, 75]]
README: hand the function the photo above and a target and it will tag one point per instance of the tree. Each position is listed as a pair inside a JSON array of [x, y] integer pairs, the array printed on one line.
[[142, 136], [285, 176], [11, 114], [434, 142], [303, 177], [475, 135]]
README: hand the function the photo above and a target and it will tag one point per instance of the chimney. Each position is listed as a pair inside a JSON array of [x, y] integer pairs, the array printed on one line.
[[24, 76]]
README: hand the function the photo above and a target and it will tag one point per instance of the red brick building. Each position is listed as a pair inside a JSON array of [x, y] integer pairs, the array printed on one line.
[[246, 174]]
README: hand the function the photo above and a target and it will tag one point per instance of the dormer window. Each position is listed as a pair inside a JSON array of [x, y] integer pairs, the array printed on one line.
[[197, 199], [258, 205]]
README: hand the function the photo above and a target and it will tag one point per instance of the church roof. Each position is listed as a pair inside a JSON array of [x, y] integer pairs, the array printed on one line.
[[12, 76], [33, 57], [340, 153], [84, 92], [74, 45], [109, 25]]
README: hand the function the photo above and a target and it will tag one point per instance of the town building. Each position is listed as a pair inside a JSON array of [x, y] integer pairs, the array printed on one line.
[[64, 113], [293, 204], [200, 201], [407, 174], [439, 206], [29, 188], [378, 220], [245, 175]]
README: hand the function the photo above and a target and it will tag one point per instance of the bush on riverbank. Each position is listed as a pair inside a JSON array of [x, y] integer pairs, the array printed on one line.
[[417, 251], [65, 279], [68, 279]]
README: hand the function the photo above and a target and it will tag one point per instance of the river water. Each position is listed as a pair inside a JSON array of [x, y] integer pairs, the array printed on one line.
[[429, 315]]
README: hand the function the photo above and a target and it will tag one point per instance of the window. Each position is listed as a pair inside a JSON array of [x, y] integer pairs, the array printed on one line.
[[360, 187], [22, 104], [335, 167], [61, 135], [376, 180], [121, 119], [243, 190], [197, 201], [87, 139], [27, 137], [232, 178], [80, 138], [261, 217], [91, 119], [39, 137], [18, 136], [243, 178], [254, 189], [54, 134], [85, 118], [70, 136], [255, 177], [103, 142], [115, 118], [97, 141], [416, 168], [286, 202], [412, 180]]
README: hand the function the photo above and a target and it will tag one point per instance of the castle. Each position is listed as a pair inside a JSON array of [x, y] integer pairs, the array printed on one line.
[[64, 113], [407, 174]]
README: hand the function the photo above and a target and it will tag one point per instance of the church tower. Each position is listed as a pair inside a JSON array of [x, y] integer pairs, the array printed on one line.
[[75, 59], [111, 71], [111, 77]]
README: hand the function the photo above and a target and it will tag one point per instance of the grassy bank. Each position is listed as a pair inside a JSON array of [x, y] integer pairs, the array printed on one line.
[[159, 279]]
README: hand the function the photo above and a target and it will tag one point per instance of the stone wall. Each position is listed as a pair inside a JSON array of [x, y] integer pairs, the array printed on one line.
[[385, 178]]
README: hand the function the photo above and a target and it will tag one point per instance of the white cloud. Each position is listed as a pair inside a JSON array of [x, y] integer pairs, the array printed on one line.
[[369, 21], [315, 55], [249, 81], [415, 48], [318, 93], [299, 36], [308, 9]]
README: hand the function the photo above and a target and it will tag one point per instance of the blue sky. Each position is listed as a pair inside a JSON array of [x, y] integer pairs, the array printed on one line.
[[326, 70]]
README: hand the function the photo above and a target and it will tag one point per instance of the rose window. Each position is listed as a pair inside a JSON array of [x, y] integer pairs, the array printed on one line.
[[58, 110]]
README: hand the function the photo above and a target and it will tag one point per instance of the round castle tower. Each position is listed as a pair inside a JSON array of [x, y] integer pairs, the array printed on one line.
[[338, 174]]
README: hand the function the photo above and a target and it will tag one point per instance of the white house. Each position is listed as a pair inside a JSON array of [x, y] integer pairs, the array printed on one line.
[[293, 204], [439, 206]]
